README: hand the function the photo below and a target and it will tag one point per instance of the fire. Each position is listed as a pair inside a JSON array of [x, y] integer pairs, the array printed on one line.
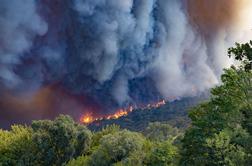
[[88, 118], [120, 113], [117, 114]]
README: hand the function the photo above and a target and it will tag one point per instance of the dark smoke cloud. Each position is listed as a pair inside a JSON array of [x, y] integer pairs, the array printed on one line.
[[19, 25], [113, 52]]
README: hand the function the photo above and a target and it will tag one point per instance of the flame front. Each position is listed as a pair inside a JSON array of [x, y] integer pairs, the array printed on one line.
[[117, 115], [88, 118]]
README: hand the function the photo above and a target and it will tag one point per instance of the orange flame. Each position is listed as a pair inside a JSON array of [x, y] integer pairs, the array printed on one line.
[[88, 118]]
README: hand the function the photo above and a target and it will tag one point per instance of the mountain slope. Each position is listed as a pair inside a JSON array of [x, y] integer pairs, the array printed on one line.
[[174, 113]]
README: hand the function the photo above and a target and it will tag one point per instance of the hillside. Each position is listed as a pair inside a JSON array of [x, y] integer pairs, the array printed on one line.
[[174, 113]]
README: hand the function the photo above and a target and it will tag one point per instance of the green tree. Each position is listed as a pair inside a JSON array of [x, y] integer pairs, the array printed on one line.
[[224, 151], [221, 128], [60, 140], [224, 112], [80, 161], [160, 131], [16, 146], [117, 147], [243, 53], [110, 129], [163, 154]]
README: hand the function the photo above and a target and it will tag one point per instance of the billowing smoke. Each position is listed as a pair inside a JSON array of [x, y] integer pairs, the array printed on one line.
[[115, 52], [20, 23]]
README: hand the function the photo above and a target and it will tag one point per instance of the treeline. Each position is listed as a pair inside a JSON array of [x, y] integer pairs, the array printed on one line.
[[220, 133], [64, 142]]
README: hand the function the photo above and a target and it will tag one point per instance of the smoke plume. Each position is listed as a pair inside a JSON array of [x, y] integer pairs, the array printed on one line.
[[113, 53], [19, 25]]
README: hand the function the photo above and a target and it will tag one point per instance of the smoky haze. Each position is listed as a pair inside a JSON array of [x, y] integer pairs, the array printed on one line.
[[77, 56]]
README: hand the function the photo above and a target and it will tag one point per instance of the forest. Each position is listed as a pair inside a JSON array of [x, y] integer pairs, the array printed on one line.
[[219, 133]]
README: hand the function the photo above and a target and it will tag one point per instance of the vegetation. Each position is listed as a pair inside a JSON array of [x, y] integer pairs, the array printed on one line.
[[64, 142], [221, 128], [220, 133]]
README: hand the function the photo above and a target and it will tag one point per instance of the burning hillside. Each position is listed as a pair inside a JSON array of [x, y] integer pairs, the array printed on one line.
[[175, 113], [88, 118]]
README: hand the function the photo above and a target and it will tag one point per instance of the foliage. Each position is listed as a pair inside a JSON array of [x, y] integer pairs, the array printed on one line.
[[221, 128], [160, 131], [117, 147], [16, 146], [224, 151], [163, 154], [80, 161], [243, 53], [105, 131], [60, 140]]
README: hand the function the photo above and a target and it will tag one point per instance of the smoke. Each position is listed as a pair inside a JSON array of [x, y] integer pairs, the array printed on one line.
[[222, 23], [19, 25], [118, 52]]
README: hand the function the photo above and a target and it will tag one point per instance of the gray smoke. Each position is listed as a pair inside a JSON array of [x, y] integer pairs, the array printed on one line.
[[117, 52], [20, 23]]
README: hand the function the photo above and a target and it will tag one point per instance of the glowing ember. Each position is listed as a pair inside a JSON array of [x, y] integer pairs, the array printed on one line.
[[88, 118]]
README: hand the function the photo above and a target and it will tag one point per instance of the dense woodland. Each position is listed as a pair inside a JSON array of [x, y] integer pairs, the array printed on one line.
[[220, 133]]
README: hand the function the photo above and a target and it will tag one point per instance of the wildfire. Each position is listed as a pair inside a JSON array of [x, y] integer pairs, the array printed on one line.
[[88, 118], [117, 115]]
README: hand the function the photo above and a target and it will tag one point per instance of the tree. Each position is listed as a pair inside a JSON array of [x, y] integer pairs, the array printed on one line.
[[224, 151], [110, 129], [243, 53], [117, 147], [210, 121], [221, 128], [60, 140], [163, 154], [16, 146], [80, 161], [160, 131]]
